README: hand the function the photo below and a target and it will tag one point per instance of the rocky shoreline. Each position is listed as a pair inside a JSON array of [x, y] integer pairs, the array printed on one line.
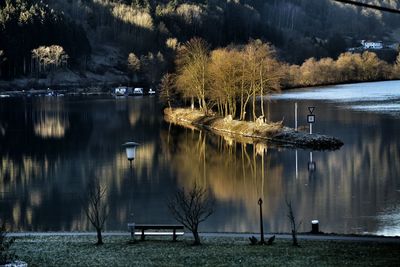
[[274, 132]]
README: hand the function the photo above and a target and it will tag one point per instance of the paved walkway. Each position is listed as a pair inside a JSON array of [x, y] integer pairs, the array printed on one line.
[[381, 239]]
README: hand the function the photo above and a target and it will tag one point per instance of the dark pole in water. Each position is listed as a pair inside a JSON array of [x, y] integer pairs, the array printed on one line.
[[130, 163], [261, 222]]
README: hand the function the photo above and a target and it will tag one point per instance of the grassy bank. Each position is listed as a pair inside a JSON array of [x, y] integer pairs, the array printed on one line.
[[80, 251], [273, 132], [226, 125]]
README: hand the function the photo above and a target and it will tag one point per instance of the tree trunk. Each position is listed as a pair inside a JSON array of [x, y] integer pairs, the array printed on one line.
[[294, 238], [245, 106], [262, 92], [242, 109], [196, 238], [254, 105], [99, 237], [199, 103], [204, 105], [233, 109]]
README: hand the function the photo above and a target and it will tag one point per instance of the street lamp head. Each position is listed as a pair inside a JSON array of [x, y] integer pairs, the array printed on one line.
[[130, 148]]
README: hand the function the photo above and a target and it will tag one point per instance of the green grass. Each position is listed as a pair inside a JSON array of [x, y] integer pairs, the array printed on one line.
[[81, 251]]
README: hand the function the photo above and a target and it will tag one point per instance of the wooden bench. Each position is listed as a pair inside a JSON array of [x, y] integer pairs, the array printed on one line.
[[174, 230]]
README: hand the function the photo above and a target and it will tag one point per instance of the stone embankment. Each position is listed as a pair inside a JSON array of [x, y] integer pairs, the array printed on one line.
[[273, 132]]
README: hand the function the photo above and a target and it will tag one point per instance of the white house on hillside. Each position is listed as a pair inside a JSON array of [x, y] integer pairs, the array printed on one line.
[[372, 45]]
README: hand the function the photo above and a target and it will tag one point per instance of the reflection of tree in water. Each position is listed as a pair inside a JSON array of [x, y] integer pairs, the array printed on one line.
[[237, 174], [50, 119], [42, 128], [41, 179], [129, 190], [148, 110], [34, 150], [348, 189], [3, 128]]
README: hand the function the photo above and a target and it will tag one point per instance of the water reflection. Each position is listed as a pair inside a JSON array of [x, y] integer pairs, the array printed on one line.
[[43, 176], [50, 119], [237, 175]]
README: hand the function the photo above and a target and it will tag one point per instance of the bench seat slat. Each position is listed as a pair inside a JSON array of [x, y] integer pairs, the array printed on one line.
[[159, 233], [158, 226], [175, 230]]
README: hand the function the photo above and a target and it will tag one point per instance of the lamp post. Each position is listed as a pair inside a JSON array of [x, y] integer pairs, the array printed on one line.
[[262, 241], [131, 228], [130, 148]]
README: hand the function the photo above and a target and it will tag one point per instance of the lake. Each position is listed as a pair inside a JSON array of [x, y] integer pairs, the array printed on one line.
[[51, 146]]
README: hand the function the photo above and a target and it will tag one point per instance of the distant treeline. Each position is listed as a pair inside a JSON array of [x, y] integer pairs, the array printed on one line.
[[349, 67], [300, 29], [151, 30], [230, 80], [26, 25]]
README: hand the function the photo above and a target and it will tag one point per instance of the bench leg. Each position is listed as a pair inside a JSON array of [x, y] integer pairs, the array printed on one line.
[[142, 236], [174, 236]]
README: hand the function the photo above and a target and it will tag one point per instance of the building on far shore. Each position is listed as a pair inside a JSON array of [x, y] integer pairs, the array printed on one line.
[[372, 44]]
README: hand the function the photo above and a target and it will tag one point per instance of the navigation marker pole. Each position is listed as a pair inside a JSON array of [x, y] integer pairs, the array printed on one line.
[[295, 128], [311, 120], [297, 165], [295, 116], [311, 117]]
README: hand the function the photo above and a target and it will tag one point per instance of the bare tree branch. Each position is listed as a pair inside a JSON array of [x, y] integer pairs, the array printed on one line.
[[96, 209], [293, 223], [192, 208]]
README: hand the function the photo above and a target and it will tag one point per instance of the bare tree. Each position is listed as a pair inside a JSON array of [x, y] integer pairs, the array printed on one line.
[[192, 208], [49, 57], [96, 209], [172, 43], [192, 71], [225, 83], [293, 223], [167, 89]]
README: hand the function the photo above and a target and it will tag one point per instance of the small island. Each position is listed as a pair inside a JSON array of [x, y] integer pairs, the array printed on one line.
[[228, 90], [273, 132]]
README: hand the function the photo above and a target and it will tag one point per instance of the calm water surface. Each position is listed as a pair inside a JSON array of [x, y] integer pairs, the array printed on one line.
[[51, 147]]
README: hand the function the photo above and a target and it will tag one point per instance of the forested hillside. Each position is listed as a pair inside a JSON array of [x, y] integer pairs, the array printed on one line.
[[25, 25], [149, 31]]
